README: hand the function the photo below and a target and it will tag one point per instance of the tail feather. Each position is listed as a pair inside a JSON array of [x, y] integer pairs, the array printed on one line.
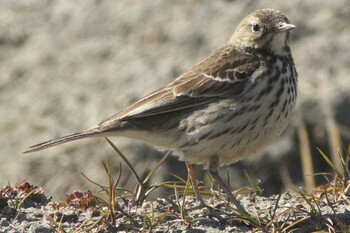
[[65, 139]]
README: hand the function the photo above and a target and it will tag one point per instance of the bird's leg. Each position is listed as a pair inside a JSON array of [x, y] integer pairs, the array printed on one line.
[[194, 181], [202, 204], [213, 170]]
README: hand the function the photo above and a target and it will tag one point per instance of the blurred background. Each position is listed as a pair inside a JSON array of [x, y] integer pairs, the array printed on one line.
[[67, 65]]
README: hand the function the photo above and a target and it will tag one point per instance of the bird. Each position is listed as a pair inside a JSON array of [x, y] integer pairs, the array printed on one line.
[[223, 109]]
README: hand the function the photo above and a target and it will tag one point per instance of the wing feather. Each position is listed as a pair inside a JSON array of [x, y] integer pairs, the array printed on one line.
[[222, 75]]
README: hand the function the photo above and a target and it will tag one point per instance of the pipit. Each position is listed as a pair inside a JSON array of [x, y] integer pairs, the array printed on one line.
[[221, 110]]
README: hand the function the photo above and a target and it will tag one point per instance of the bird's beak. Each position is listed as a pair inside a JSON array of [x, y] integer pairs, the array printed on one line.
[[285, 27]]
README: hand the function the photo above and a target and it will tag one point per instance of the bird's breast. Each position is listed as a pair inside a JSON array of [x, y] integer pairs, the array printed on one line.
[[236, 128]]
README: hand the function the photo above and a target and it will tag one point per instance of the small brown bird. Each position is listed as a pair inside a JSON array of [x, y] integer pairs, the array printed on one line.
[[222, 110]]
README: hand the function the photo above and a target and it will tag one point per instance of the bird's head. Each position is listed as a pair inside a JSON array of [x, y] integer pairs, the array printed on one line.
[[265, 29]]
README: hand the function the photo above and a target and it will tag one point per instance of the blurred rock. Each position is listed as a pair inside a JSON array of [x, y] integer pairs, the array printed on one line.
[[67, 65]]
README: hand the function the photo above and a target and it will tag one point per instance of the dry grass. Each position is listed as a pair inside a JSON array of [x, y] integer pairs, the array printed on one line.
[[113, 207]]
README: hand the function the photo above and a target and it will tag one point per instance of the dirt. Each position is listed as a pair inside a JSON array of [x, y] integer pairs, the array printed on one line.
[[25, 208]]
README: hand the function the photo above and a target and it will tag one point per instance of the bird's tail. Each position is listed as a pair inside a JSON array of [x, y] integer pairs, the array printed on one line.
[[64, 139]]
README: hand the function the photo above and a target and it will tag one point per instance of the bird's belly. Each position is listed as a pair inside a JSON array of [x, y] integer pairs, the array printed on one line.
[[237, 132], [232, 147]]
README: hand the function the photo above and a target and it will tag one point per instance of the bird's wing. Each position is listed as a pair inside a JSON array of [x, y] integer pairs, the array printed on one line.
[[224, 74]]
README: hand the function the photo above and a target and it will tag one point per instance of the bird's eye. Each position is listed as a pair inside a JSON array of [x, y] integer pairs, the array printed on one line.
[[256, 27]]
